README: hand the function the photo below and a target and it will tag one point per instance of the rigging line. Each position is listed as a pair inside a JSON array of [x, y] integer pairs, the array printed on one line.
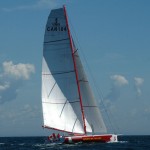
[[74, 35], [58, 73], [88, 68], [63, 108], [91, 106], [77, 55], [83, 81], [75, 51], [51, 89], [101, 96], [74, 124], [75, 67], [56, 41], [112, 125]]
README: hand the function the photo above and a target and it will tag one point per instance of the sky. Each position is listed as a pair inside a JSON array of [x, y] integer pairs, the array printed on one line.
[[113, 35]]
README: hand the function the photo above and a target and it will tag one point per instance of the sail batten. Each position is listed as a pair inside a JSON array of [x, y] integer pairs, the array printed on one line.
[[63, 103], [56, 41], [57, 73]]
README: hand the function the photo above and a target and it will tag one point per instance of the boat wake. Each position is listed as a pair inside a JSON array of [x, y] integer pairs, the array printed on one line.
[[122, 142]]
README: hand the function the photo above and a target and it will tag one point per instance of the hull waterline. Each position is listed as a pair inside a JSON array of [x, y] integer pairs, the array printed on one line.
[[106, 138]]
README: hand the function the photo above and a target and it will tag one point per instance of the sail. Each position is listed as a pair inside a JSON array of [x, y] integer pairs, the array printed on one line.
[[67, 101], [60, 99], [91, 110]]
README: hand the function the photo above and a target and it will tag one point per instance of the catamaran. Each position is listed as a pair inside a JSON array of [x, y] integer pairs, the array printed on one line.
[[68, 102]]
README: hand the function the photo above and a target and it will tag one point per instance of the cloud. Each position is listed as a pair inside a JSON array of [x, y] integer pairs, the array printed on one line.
[[138, 83], [18, 71], [119, 80], [11, 79], [33, 111], [113, 94], [19, 115], [5, 86], [10, 93], [40, 4]]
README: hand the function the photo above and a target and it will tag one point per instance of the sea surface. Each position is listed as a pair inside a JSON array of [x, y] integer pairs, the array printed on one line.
[[40, 143]]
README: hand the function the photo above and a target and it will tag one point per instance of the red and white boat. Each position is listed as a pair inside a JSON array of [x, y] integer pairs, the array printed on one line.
[[106, 138], [68, 102]]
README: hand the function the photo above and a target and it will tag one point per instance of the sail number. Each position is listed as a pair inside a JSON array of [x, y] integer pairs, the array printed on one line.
[[56, 28]]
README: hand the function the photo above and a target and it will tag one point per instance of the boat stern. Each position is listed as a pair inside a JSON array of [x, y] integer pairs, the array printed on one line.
[[114, 138]]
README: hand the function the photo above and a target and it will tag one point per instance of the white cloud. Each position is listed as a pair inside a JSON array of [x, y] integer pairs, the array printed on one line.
[[18, 71], [40, 4], [115, 91], [8, 86], [4, 86], [10, 91], [138, 83], [119, 80]]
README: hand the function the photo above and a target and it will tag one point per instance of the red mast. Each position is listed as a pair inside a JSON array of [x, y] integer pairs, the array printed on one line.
[[76, 72]]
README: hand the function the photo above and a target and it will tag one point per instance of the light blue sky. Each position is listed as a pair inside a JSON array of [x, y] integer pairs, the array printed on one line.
[[115, 38]]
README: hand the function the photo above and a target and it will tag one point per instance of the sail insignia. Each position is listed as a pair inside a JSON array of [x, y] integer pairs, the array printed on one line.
[[56, 26]]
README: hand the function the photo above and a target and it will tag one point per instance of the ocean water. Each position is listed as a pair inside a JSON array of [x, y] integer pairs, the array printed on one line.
[[40, 143]]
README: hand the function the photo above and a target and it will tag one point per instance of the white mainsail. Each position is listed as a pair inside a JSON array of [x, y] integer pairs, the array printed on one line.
[[61, 102]]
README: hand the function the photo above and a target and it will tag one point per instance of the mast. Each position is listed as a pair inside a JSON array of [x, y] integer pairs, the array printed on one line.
[[75, 67]]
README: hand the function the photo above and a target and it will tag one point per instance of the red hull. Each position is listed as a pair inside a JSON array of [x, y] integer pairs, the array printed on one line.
[[91, 138]]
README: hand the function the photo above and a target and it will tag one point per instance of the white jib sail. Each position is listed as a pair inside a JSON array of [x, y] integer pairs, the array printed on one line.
[[91, 109]]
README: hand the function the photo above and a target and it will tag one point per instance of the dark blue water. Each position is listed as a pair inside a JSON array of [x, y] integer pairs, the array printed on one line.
[[39, 143]]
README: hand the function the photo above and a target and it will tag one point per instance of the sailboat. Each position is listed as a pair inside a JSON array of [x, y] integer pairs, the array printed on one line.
[[68, 102]]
